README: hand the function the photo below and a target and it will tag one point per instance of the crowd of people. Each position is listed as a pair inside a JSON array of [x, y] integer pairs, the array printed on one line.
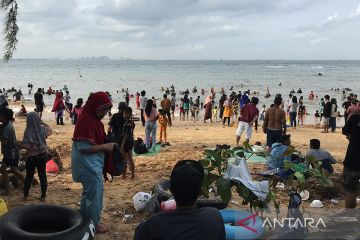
[[91, 142]]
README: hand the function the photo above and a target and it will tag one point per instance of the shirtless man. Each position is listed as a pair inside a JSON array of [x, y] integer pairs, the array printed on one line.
[[274, 123]]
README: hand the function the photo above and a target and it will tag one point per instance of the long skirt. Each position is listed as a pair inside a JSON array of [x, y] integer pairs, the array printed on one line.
[[208, 107]]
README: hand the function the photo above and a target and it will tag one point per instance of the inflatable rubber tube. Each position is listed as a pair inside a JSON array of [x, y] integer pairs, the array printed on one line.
[[162, 190], [45, 222], [232, 218]]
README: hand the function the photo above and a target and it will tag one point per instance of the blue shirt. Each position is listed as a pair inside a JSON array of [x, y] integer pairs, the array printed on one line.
[[85, 165], [277, 158]]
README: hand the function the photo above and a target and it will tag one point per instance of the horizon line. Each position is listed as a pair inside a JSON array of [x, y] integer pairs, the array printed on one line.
[[184, 59]]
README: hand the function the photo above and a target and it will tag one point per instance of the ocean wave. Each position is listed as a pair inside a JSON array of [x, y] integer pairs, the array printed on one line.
[[317, 67], [275, 66]]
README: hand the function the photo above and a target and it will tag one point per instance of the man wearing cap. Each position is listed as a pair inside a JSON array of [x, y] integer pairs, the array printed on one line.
[[186, 222]]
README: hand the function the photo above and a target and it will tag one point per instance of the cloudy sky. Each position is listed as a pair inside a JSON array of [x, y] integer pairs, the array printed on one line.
[[190, 29]]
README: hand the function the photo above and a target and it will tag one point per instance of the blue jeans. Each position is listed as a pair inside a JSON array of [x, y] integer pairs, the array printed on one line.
[[150, 128]]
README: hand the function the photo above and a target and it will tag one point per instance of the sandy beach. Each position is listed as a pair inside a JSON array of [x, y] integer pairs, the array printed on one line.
[[188, 141]]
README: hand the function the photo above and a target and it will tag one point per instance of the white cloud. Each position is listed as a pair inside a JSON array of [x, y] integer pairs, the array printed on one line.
[[355, 13], [206, 28], [198, 47], [318, 40], [330, 19]]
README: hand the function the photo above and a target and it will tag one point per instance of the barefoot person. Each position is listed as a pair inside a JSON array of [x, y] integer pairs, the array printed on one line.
[[208, 108], [351, 172], [88, 152], [59, 108], [151, 116], [326, 113], [128, 142], [249, 115], [39, 102], [166, 106], [274, 123]]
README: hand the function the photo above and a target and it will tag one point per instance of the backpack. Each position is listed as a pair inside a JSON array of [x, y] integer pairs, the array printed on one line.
[[139, 146], [113, 164]]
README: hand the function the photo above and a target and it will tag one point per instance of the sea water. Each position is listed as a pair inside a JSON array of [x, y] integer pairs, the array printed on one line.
[[85, 76]]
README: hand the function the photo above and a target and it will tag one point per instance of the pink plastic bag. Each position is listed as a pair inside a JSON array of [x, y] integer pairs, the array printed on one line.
[[168, 206], [52, 167]]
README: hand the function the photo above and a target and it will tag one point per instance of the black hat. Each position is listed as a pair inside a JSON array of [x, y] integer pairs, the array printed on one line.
[[186, 181]]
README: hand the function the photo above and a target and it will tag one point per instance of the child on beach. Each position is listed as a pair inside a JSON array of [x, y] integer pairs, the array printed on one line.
[[59, 108], [9, 149], [76, 111], [186, 106], [262, 114], [34, 142], [182, 112], [193, 113], [137, 100], [128, 141], [22, 112], [301, 113], [235, 107], [215, 113], [163, 122], [228, 111]]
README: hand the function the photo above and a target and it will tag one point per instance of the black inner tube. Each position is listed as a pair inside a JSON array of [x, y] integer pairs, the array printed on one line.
[[54, 221]]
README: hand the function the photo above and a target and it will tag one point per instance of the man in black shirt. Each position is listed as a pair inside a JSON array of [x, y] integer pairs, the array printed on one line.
[[116, 124], [351, 172], [186, 222], [326, 113], [39, 102]]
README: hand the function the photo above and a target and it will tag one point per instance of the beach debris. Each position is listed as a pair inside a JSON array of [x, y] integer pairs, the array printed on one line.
[[140, 200], [304, 195], [55, 156], [52, 167], [280, 186], [127, 217], [3, 207], [334, 201], [316, 204], [168, 206]]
